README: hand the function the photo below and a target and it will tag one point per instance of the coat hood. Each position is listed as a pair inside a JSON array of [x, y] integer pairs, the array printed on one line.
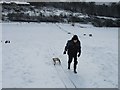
[[75, 37]]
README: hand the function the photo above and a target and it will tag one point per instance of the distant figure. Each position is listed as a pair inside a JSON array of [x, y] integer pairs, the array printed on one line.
[[7, 41], [90, 35], [73, 48], [84, 34]]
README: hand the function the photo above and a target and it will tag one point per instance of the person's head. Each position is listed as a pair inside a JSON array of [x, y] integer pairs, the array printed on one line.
[[75, 38]]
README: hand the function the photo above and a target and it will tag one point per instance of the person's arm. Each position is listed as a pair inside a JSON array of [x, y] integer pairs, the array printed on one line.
[[66, 47], [79, 49]]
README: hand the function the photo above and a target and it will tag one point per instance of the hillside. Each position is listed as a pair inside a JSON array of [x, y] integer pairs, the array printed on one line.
[[27, 60], [56, 12]]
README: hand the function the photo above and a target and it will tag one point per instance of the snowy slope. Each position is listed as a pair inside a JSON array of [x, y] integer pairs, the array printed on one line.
[[27, 60]]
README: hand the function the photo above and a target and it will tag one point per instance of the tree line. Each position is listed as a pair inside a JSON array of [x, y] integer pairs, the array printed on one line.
[[90, 8], [17, 13]]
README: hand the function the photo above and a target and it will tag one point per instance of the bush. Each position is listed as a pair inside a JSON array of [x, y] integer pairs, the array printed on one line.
[[96, 22]]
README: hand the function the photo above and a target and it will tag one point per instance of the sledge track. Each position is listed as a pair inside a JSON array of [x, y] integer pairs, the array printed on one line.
[[69, 80], [64, 78], [73, 78], [61, 74], [63, 29], [69, 77], [61, 77]]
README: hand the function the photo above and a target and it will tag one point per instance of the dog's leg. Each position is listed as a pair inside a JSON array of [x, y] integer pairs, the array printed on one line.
[[59, 62], [54, 62]]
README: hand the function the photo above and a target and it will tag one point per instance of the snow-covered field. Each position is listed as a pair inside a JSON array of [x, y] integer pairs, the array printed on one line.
[[27, 60]]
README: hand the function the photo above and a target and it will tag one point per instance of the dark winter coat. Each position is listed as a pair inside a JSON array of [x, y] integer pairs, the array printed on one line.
[[73, 48]]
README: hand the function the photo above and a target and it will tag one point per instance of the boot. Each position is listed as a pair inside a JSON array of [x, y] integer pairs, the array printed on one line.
[[75, 71], [75, 68], [68, 65]]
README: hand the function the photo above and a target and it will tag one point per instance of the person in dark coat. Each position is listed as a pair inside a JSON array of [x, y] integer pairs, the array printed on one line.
[[73, 49]]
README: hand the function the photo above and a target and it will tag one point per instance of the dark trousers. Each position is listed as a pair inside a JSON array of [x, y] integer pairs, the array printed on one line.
[[70, 58]]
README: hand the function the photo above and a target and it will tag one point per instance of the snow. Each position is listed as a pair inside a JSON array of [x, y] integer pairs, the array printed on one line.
[[4, 2], [49, 11], [53, 11], [31, 13], [17, 2], [27, 60], [107, 17]]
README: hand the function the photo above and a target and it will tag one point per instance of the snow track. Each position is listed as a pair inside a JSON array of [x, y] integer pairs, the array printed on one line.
[[74, 78], [69, 78], [64, 78], [63, 29]]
